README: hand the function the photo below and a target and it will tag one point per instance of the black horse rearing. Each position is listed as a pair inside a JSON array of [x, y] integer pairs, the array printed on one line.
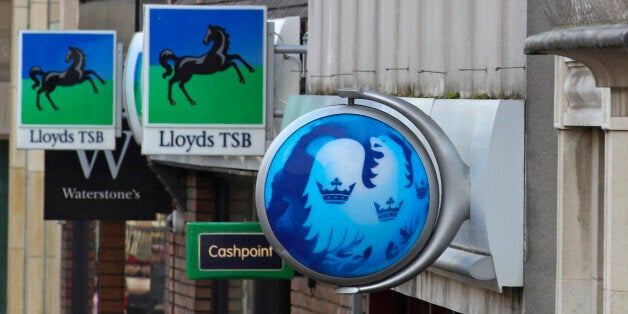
[[216, 59], [75, 74]]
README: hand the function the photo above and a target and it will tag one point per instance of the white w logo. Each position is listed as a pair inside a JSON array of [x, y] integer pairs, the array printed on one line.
[[114, 166]]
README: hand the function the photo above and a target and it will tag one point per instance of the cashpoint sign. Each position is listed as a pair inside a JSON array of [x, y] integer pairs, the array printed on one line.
[[237, 250]]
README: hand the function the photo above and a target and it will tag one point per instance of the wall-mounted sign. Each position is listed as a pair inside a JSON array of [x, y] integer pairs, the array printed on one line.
[[348, 193], [66, 90], [362, 196], [232, 250], [132, 86], [204, 70], [102, 185]]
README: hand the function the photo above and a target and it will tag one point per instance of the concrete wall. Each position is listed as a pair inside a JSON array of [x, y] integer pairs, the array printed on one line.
[[541, 159], [5, 57], [34, 244], [118, 15]]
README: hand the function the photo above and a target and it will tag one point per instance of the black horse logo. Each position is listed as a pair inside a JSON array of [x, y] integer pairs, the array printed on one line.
[[216, 59], [75, 74]]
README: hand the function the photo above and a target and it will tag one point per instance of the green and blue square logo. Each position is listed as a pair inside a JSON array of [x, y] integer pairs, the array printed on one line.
[[206, 65], [67, 78], [66, 89], [205, 71]]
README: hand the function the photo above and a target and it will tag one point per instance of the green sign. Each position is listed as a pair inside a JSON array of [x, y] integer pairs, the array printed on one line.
[[232, 250]]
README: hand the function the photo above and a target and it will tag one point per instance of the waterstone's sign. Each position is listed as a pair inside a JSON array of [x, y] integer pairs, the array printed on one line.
[[204, 90], [66, 90], [102, 185], [232, 250]]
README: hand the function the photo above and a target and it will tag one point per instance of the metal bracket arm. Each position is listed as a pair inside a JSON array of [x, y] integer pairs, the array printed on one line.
[[455, 187]]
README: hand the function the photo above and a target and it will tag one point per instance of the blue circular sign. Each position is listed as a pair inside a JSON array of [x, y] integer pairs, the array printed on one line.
[[346, 196]]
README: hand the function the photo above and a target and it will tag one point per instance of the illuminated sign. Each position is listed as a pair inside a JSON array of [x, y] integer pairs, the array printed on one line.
[[232, 250], [353, 196], [132, 81], [347, 194]]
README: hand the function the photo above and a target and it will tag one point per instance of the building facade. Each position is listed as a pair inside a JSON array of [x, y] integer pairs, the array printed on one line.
[[417, 49]]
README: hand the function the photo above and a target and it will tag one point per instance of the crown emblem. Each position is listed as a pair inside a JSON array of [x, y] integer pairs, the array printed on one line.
[[335, 196], [421, 191], [388, 213]]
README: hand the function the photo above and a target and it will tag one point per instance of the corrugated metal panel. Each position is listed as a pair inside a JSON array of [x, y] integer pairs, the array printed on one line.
[[276, 8], [418, 48]]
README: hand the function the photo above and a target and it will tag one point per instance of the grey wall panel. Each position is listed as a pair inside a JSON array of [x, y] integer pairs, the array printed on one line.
[[540, 171], [364, 73], [426, 48]]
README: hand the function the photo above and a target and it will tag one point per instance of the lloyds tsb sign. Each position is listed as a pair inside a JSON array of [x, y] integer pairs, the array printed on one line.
[[204, 81], [354, 196], [66, 90]]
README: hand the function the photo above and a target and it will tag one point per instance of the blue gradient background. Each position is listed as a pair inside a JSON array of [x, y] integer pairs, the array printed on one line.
[[287, 213], [48, 51], [182, 32]]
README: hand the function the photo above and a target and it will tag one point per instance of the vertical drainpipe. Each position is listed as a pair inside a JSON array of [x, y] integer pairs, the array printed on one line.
[[137, 15], [220, 287], [80, 271]]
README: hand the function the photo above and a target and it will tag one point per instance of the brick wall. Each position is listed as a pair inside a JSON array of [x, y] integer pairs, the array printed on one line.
[[210, 197], [242, 199], [315, 297], [67, 263], [111, 282], [216, 197], [183, 295]]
